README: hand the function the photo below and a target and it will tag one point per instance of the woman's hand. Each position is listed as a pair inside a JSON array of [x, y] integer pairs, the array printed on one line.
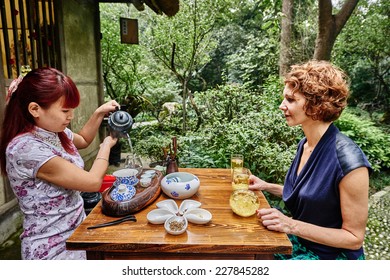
[[275, 220], [256, 184], [107, 107], [109, 141]]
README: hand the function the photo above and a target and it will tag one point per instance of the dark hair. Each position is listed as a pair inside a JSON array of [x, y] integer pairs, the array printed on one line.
[[43, 86], [324, 86]]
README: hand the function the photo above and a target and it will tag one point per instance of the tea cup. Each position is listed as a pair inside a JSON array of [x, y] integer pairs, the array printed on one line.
[[126, 176], [145, 182]]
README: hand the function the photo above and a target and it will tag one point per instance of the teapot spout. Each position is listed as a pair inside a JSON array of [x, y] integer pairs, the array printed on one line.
[[119, 134]]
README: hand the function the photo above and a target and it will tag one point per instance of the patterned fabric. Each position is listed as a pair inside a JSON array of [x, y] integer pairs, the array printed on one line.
[[300, 252], [51, 213]]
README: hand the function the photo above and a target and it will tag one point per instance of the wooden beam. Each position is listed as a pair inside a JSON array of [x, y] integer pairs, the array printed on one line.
[[168, 7]]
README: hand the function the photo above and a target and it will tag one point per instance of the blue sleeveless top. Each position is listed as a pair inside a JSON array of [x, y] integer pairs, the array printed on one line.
[[313, 195]]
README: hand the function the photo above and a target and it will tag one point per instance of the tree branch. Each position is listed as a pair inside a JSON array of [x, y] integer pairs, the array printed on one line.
[[343, 15]]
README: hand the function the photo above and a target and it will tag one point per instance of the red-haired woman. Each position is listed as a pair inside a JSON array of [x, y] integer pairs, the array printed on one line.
[[326, 187], [39, 154]]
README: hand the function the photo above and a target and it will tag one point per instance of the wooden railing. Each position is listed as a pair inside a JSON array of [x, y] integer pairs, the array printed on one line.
[[29, 35]]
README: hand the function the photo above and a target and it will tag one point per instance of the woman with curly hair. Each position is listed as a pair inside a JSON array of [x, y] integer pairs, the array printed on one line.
[[326, 187]]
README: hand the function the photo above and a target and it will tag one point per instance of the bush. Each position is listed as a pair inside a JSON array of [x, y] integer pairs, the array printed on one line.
[[238, 120], [235, 120], [357, 125], [148, 141], [267, 144]]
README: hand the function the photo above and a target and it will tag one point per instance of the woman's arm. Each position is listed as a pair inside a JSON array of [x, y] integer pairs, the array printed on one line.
[[257, 184], [86, 135], [62, 173], [354, 208]]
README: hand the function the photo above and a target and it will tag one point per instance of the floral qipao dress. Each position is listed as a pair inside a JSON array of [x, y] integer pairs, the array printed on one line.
[[51, 212]]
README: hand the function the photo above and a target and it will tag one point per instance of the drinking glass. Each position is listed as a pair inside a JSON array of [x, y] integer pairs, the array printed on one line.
[[236, 161], [240, 178], [133, 161]]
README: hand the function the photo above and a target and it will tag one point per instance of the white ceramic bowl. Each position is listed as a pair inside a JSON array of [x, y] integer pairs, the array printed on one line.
[[198, 216], [180, 185], [168, 204], [159, 216], [171, 205], [176, 225], [188, 204]]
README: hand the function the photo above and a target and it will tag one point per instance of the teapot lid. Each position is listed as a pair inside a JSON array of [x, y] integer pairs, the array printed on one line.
[[120, 120]]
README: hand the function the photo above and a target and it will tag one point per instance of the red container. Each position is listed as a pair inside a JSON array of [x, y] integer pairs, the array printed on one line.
[[108, 181]]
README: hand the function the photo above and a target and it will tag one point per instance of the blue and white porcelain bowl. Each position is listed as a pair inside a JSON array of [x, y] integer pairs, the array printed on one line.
[[180, 185], [126, 176], [123, 192]]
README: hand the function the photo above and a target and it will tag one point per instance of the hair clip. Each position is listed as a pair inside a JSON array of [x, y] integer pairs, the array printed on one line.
[[13, 87], [15, 83]]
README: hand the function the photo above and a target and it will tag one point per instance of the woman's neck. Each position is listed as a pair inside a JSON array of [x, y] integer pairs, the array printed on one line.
[[314, 132]]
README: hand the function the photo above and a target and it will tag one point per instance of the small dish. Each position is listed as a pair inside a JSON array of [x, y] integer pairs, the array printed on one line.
[[150, 172], [176, 225], [146, 176], [160, 168], [168, 204], [198, 216], [188, 204], [123, 192], [145, 182], [159, 216]]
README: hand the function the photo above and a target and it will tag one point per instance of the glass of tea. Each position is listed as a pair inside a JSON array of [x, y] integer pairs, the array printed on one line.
[[236, 161], [240, 178]]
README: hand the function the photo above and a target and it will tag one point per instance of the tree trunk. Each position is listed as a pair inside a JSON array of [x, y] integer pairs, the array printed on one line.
[[329, 26], [285, 36], [196, 109], [184, 103]]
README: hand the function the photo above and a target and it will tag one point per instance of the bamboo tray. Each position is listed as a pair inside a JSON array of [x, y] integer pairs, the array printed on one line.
[[142, 198]]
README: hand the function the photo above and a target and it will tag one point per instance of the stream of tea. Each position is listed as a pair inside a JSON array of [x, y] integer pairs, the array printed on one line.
[[130, 144], [131, 162]]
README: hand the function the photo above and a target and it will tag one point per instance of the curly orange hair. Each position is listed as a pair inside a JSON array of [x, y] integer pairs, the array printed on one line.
[[324, 86]]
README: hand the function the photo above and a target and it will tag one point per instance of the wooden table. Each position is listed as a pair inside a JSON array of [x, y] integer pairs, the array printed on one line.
[[226, 236]]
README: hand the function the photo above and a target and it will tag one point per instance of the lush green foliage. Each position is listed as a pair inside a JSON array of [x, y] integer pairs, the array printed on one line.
[[363, 50], [248, 45], [130, 78], [232, 52], [236, 120], [372, 140], [376, 241], [240, 120]]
